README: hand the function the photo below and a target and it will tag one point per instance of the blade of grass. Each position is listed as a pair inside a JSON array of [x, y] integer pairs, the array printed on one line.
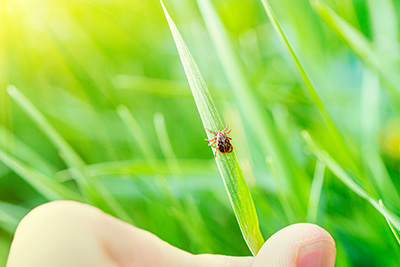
[[165, 144], [361, 47], [333, 131], [137, 133], [395, 233], [138, 167], [92, 189], [333, 166], [68, 154], [280, 189], [154, 86], [192, 214], [238, 191], [348, 11], [243, 148], [373, 162], [11, 144], [151, 85], [47, 187], [10, 216], [384, 25], [324, 157], [315, 192], [179, 211], [148, 151], [260, 123]]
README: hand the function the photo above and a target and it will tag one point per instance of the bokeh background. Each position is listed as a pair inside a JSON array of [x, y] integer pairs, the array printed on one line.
[[107, 105]]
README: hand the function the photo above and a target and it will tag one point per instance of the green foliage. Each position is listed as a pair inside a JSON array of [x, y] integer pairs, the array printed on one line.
[[103, 114]]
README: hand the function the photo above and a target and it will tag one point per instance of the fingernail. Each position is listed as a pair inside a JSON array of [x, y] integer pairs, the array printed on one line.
[[318, 254]]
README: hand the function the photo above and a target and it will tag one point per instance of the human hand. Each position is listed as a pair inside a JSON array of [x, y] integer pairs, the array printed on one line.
[[67, 233]]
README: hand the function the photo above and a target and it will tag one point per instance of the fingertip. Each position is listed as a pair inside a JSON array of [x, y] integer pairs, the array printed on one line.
[[302, 244], [321, 253], [58, 231]]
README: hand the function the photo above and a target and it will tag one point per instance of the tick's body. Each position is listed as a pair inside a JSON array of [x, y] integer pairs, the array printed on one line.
[[222, 141]]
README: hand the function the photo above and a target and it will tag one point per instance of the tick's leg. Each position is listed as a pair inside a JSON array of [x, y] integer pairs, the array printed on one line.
[[231, 149], [215, 154], [210, 144], [209, 140], [228, 131], [229, 138], [211, 132], [226, 128]]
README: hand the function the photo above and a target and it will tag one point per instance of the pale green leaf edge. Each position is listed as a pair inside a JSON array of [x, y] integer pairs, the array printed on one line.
[[324, 157], [395, 233]]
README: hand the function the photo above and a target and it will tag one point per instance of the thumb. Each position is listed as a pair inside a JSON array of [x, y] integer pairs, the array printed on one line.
[[298, 245]]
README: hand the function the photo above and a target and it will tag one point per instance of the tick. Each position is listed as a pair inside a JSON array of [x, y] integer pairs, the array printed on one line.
[[222, 141]]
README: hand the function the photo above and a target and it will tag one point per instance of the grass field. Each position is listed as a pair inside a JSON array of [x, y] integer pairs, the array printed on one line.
[[105, 102]]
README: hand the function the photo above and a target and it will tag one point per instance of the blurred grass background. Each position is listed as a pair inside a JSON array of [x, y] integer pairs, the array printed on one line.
[[124, 134]]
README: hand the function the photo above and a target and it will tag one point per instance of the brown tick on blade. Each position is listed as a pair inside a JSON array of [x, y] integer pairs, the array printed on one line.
[[221, 140]]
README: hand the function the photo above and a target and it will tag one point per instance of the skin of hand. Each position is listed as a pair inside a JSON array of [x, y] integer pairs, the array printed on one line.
[[67, 233]]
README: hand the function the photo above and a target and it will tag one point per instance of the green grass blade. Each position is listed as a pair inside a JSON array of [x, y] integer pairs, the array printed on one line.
[[238, 191], [46, 186], [299, 67], [356, 40], [315, 192], [384, 25], [10, 216], [154, 165], [336, 136], [11, 144], [165, 143], [157, 87], [69, 155], [281, 192], [372, 159], [335, 167], [195, 222], [205, 105], [253, 113], [153, 86], [92, 190], [137, 133], [361, 46], [395, 233], [347, 180], [140, 167]]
